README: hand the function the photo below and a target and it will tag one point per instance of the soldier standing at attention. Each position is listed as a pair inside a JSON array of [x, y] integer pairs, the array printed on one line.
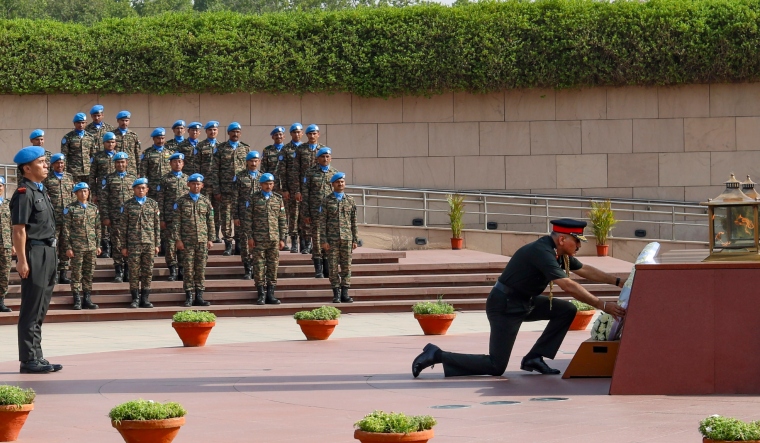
[[34, 240], [81, 240], [140, 238], [178, 128], [154, 162], [194, 223], [266, 229], [291, 204], [6, 243], [60, 185], [274, 161], [78, 146], [306, 157], [315, 188], [102, 165], [205, 152], [245, 184], [37, 137], [228, 159], [338, 234], [188, 147], [173, 186], [127, 141], [116, 189], [97, 128]]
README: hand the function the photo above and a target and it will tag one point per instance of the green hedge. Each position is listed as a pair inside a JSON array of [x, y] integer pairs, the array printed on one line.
[[381, 52]]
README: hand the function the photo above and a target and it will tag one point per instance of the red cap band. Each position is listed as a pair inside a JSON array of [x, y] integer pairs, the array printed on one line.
[[564, 230]]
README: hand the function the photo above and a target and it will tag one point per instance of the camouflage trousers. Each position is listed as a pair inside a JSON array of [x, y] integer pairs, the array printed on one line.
[[194, 259], [82, 270], [140, 262], [246, 253], [225, 214], [340, 254], [291, 207], [214, 204], [266, 259], [118, 259], [170, 240], [5, 271], [63, 261]]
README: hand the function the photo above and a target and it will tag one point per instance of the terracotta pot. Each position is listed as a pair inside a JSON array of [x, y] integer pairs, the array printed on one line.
[[707, 440], [379, 437], [317, 329], [602, 250], [456, 243], [149, 431], [581, 320], [193, 334], [12, 419], [435, 324]]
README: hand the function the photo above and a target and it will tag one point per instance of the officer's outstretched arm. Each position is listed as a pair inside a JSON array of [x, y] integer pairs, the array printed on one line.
[[591, 273], [578, 292]]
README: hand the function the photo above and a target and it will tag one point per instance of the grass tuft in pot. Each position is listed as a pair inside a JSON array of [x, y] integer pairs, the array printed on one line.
[[580, 306], [16, 396], [602, 219], [456, 213], [321, 313], [394, 423], [720, 428], [146, 410], [192, 316], [437, 307]]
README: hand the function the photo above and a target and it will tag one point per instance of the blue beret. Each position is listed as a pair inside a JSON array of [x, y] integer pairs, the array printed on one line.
[[337, 176], [266, 178], [251, 155], [234, 125], [120, 156], [2, 180], [311, 128], [178, 123], [177, 156], [108, 136], [140, 181], [57, 157], [295, 127], [211, 124], [28, 154], [276, 130], [196, 178], [195, 125], [80, 117], [96, 109], [79, 186], [36, 133], [123, 114], [324, 151], [158, 132]]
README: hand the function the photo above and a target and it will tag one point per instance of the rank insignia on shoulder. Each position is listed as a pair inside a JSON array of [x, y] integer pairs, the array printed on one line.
[[21, 190]]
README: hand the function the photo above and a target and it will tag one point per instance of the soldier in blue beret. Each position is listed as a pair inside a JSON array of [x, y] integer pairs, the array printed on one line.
[[188, 147], [97, 128], [246, 182], [173, 186], [275, 159], [315, 188], [6, 246], [79, 148], [305, 158], [102, 166], [292, 205], [37, 138], [81, 241], [58, 185], [154, 162], [203, 154], [178, 128], [338, 236], [127, 141], [115, 189]]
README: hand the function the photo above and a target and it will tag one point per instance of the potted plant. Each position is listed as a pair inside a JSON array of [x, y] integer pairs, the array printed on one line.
[[717, 429], [193, 327], [15, 405], [382, 426], [434, 317], [583, 316], [602, 220], [319, 323], [145, 421], [456, 212]]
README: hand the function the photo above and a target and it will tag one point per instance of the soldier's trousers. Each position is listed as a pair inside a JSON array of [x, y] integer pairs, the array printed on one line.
[[36, 290], [291, 207], [225, 214], [118, 259], [63, 261], [246, 253], [340, 254], [266, 259], [171, 246], [194, 258], [140, 261], [82, 269], [5, 271]]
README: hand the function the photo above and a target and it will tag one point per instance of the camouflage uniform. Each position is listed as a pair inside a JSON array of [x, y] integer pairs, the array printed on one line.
[[315, 188], [266, 224], [140, 232], [78, 151], [226, 162], [60, 194], [194, 225], [303, 161], [246, 183], [102, 165], [114, 191], [171, 188], [172, 143], [6, 245], [337, 228], [154, 165], [129, 143], [188, 149], [81, 234], [202, 165], [97, 133], [291, 205]]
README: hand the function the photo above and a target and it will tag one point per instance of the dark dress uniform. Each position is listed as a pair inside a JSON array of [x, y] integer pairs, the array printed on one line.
[[31, 206]]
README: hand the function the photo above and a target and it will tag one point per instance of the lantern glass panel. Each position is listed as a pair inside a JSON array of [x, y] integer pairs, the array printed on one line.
[[734, 227]]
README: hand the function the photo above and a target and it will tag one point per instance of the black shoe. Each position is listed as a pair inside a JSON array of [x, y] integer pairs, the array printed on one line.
[[307, 246], [336, 295], [188, 299], [34, 367], [135, 299], [56, 367], [77, 301], [271, 299], [261, 295], [537, 364], [105, 249], [248, 272], [62, 278], [325, 268], [4, 308], [199, 301], [145, 299], [227, 248], [294, 244], [344, 298], [118, 271], [87, 302], [317, 268], [425, 360], [172, 273]]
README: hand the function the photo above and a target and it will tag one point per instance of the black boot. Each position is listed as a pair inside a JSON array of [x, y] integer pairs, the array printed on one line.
[[118, 271], [271, 300], [336, 295], [4, 308], [105, 249], [180, 274], [77, 300], [325, 268], [188, 299], [145, 299], [199, 301], [62, 278], [227, 248], [294, 244], [172, 273], [237, 247], [261, 296], [307, 246], [344, 298], [218, 231], [317, 267], [248, 272], [301, 243], [87, 302], [135, 298], [126, 273]]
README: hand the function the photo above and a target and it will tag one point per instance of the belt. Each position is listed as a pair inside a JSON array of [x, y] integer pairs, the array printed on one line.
[[47, 242], [501, 286]]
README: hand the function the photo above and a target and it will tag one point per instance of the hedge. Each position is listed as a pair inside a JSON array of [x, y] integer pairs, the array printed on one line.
[[383, 52]]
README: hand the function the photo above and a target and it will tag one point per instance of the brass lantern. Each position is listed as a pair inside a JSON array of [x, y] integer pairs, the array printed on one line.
[[733, 224]]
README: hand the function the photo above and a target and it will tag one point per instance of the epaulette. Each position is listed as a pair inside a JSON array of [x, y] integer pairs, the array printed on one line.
[[21, 190]]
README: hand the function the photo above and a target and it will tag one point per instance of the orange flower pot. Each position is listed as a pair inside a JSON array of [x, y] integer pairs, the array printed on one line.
[[602, 250], [456, 243], [149, 431], [12, 419], [435, 324], [380, 437], [581, 320], [317, 329], [707, 440], [193, 334]]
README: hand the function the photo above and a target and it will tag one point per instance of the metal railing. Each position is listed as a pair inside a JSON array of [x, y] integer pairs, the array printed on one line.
[[10, 172]]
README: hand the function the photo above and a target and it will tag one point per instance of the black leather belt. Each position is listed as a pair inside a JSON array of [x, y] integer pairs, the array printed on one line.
[[47, 242], [501, 286]]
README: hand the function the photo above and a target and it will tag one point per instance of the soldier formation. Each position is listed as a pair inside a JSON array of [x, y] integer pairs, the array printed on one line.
[[180, 196]]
